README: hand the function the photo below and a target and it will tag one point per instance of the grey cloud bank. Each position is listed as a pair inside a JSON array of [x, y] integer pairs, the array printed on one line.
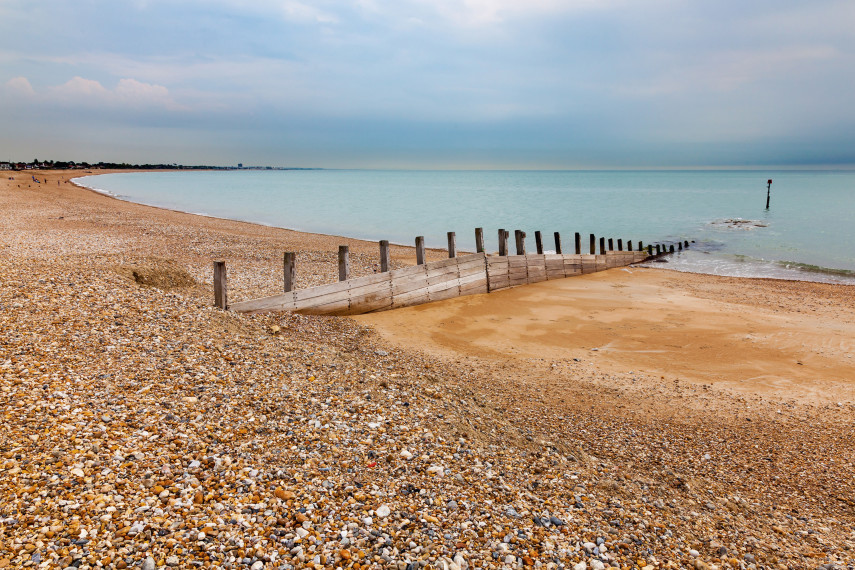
[[483, 84]]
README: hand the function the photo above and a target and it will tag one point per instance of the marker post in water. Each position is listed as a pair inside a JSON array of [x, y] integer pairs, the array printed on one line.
[[768, 191]]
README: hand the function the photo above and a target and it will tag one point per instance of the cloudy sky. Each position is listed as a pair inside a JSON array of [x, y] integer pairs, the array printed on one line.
[[430, 83]]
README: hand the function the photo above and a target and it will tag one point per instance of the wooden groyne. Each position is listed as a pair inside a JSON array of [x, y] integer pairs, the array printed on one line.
[[456, 276]]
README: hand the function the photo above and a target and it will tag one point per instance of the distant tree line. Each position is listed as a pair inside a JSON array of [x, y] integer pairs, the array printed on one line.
[[37, 164]]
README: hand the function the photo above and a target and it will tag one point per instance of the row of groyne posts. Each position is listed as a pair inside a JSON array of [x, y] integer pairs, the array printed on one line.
[[605, 245]]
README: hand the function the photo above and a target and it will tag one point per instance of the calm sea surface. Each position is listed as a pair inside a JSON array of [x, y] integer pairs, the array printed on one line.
[[808, 233]]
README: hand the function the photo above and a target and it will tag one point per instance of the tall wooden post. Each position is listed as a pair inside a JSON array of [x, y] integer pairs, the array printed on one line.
[[620, 244], [385, 259], [649, 249], [768, 192], [577, 242], [628, 245], [520, 237], [557, 243], [538, 242], [452, 245], [602, 246], [420, 250], [503, 242], [686, 244], [479, 240], [640, 245], [679, 246], [593, 244], [658, 249], [611, 244], [343, 262], [221, 300], [672, 248], [290, 273]]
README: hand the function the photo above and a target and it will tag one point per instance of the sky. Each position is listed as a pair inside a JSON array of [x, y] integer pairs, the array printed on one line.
[[430, 83]]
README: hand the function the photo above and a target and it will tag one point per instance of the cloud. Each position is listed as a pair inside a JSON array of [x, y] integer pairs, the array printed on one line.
[[20, 87], [130, 93]]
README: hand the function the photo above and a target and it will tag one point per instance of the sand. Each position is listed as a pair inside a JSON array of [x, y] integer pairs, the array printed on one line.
[[790, 340], [711, 427]]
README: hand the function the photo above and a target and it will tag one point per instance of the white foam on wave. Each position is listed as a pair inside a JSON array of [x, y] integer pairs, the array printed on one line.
[[736, 266], [80, 182]]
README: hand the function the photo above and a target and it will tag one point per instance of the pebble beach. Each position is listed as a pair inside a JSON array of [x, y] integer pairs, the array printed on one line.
[[144, 428]]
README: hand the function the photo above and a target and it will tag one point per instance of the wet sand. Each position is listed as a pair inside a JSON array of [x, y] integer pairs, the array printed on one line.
[[775, 338]]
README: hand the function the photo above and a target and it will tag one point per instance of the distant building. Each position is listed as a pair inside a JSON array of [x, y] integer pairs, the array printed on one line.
[[240, 165], [5, 166]]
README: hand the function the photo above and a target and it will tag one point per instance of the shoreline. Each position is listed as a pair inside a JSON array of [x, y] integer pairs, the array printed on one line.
[[190, 435], [724, 265]]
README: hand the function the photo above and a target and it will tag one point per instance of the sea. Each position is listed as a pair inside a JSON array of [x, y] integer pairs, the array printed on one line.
[[807, 233]]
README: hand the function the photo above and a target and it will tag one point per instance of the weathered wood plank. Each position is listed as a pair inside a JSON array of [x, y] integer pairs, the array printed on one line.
[[443, 294], [370, 306], [411, 284], [337, 307], [384, 288], [385, 260], [320, 290], [275, 303], [328, 299], [221, 299], [289, 265], [369, 280], [415, 297], [473, 289], [420, 250], [343, 263], [407, 271], [479, 240]]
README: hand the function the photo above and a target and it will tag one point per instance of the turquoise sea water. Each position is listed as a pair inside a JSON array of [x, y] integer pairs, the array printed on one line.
[[808, 233]]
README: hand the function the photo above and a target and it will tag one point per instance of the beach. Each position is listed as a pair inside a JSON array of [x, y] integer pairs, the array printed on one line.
[[631, 418]]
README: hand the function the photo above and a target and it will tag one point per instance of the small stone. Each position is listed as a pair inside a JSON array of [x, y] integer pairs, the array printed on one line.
[[581, 566], [257, 565], [406, 454], [172, 561], [694, 553], [383, 511], [597, 565]]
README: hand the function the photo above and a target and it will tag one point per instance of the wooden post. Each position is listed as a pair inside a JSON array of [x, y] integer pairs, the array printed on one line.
[[640, 245], [538, 242], [290, 266], [602, 245], [517, 240], [649, 250], [577, 240], [658, 249], [452, 245], [503, 242], [593, 244], [557, 243], [672, 248], [343, 262], [679, 246], [686, 244], [385, 260], [520, 242], [611, 244], [620, 244], [628, 245], [420, 250], [768, 192], [479, 240], [220, 288]]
